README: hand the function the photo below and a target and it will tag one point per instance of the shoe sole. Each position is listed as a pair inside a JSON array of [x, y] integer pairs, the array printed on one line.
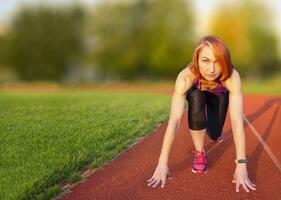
[[199, 172], [220, 141]]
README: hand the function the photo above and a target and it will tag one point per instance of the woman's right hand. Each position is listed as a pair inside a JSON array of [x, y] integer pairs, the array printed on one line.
[[161, 173]]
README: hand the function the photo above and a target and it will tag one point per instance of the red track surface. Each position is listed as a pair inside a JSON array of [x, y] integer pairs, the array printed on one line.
[[126, 176]]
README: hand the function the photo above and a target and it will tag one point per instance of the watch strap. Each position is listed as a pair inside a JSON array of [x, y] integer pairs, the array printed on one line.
[[241, 161]]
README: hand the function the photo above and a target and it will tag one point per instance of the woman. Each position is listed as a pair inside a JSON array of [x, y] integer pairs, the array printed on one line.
[[210, 84]]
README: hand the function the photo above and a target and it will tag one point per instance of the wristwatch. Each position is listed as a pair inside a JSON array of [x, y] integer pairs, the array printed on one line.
[[241, 161]]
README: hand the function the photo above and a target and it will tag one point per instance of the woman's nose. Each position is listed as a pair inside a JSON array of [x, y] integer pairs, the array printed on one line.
[[212, 68]]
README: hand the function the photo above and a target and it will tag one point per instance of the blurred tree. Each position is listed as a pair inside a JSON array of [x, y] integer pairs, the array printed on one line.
[[246, 29], [46, 40], [4, 50], [6, 73], [141, 39]]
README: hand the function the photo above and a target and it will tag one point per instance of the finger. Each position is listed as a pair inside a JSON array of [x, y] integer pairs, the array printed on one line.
[[169, 175], [152, 182], [163, 183], [237, 186], [249, 185], [248, 180], [156, 183], [245, 187], [150, 179], [251, 182], [234, 179]]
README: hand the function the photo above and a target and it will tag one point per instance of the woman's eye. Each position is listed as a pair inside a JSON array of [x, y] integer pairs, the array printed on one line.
[[205, 61]]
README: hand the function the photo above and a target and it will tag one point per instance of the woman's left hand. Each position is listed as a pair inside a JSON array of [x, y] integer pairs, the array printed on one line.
[[241, 177]]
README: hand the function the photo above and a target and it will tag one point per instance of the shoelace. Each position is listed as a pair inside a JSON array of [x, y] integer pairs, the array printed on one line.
[[200, 157]]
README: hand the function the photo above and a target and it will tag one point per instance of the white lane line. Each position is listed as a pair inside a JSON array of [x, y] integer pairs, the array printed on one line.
[[265, 146]]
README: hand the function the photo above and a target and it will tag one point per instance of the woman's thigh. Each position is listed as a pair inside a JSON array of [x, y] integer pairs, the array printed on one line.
[[217, 105], [196, 109]]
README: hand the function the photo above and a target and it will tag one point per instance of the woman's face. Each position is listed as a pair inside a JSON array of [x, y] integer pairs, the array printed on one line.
[[208, 65]]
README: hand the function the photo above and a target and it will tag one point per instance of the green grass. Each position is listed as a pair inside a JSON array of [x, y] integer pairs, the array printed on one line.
[[74, 177], [45, 138], [264, 87]]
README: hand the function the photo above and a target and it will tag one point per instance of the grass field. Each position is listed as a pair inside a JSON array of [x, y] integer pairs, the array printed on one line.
[[47, 137]]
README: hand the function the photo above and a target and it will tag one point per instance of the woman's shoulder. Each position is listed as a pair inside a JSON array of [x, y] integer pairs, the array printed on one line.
[[185, 80], [233, 81], [187, 74]]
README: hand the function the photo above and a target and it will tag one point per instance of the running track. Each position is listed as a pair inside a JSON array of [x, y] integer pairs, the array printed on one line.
[[125, 177]]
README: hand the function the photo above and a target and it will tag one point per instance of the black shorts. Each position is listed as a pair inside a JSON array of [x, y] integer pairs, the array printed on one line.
[[207, 110]]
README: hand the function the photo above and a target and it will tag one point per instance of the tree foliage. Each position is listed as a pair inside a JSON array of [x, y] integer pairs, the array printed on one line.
[[142, 39], [250, 37], [45, 41]]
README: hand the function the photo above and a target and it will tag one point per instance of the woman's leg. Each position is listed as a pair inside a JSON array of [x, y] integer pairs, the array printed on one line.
[[198, 138], [197, 116], [217, 105]]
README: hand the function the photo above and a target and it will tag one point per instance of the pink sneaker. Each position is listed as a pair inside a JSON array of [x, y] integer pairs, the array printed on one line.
[[219, 139], [200, 164]]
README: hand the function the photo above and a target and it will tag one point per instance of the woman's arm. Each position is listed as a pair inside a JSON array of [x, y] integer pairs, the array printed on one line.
[[182, 84], [236, 115]]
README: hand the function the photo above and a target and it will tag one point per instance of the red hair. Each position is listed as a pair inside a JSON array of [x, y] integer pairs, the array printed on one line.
[[221, 53]]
